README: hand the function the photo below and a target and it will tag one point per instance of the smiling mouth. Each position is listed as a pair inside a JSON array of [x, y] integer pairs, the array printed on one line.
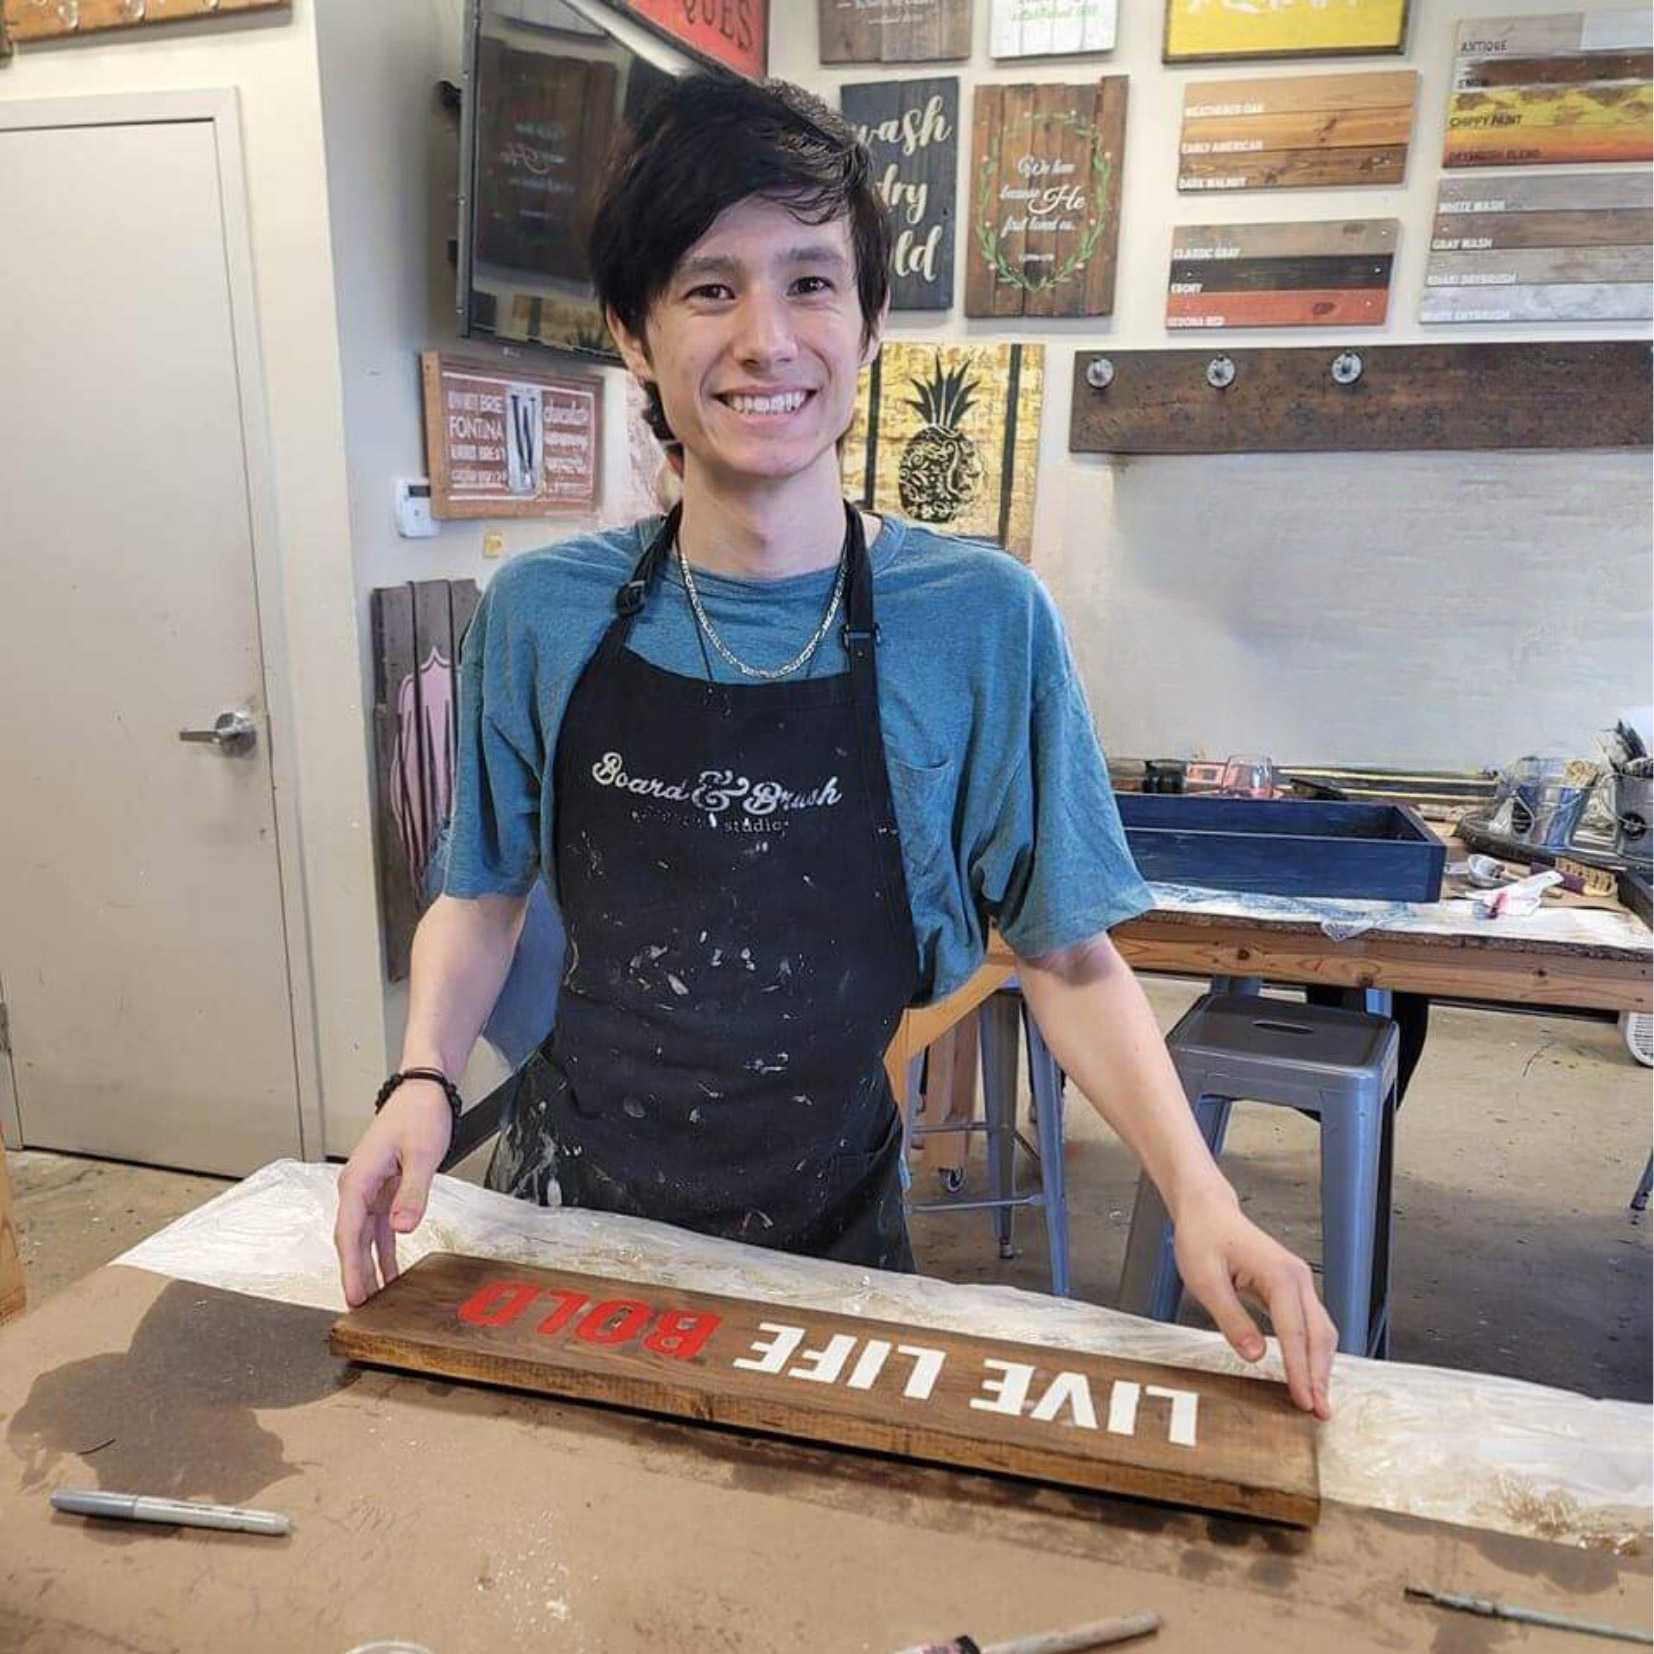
[[778, 402]]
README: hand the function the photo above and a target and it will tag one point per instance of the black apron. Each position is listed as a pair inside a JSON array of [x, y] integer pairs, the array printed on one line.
[[740, 951]]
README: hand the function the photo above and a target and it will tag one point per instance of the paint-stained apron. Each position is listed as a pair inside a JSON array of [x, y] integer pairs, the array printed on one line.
[[740, 951]]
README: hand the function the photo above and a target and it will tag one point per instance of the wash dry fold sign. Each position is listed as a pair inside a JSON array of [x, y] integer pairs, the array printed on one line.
[[1062, 1417]]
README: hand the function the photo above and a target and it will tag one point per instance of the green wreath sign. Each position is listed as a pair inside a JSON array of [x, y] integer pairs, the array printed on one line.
[[987, 233]]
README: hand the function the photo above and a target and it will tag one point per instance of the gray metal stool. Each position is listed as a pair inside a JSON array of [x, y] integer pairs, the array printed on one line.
[[1005, 1020], [1339, 1066]]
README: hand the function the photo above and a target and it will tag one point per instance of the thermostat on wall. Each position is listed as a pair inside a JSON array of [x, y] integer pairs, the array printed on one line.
[[413, 509]]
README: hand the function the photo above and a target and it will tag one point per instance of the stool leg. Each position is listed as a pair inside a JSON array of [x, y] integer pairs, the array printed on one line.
[[1351, 1147], [1046, 1085], [1378, 1324], [1000, 1038]]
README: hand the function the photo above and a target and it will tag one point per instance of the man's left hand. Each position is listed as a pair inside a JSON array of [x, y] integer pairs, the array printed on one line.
[[1221, 1253]]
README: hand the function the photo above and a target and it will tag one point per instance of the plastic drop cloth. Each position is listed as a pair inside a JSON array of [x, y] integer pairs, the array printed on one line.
[[1454, 1447]]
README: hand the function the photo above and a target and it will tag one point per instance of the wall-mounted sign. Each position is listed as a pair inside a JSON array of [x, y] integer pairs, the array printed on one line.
[[1296, 131], [1543, 91], [734, 34], [1045, 199], [1047, 28], [509, 442], [40, 20], [911, 128], [948, 435], [1282, 275], [893, 31], [1214, 29], [1061, 1416], [1572, 248]]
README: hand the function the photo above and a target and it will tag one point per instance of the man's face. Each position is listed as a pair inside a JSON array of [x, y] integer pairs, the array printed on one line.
[[756, 343]]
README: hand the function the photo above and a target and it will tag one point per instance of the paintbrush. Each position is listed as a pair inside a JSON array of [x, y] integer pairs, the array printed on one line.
[[1096, 1635]]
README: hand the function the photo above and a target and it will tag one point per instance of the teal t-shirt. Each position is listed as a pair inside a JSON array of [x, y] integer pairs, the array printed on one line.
[[1001, 789]]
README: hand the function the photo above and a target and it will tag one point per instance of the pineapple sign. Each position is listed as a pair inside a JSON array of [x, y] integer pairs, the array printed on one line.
[[947, 435]]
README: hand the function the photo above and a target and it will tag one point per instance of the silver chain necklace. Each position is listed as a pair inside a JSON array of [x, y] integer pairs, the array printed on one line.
[[800, 659]]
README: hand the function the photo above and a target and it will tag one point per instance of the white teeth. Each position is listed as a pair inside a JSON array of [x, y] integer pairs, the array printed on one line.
[[786, 402]]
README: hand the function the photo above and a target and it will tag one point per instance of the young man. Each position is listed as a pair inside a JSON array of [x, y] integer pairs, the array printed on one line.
[[780, 764]]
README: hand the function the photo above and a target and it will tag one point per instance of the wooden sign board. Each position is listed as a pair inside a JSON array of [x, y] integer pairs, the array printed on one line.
[[893, 31], [1569, 248], [1213, 1441], [1409, 397], [911, 128], [509, 442], [1049, 28], [1567, 87], [1211, 30], [1282, 275], [417, 630], [1046, 163], [733, 34], [948, 435], [53, 19], [1297, 132]]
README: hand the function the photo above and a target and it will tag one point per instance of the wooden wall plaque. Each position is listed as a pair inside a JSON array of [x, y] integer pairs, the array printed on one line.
[[1411, 397], [911, 128], [1334, 274], [1204, 30], [52, 19], [1542, 248], [509, 441], [893, 31], [1212, 1441], [1296, 132], [733, 34], [1050, 28], [1571, 86], [1046, 163]]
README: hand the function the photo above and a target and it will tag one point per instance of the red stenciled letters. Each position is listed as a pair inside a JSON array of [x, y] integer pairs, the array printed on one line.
[[497, 1303], [568, 1302], [598, 1324], [681, 1333]]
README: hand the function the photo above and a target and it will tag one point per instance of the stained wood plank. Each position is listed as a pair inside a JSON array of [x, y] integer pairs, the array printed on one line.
[[1340, 237], [1198, 31], [1410, 397], [1281, 94], [34, 20], [893, 31], [1069, 1419], [1541, 266], [1281, 275], [1308, 129], [1043, 28], [1293, 169], [1576, 192], [1480, 232], [911, 128], [1308, 307], [1576, 302]]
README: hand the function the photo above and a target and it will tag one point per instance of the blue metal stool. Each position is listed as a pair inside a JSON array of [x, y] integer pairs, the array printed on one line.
[[1005, 1021], [1339, 1066]]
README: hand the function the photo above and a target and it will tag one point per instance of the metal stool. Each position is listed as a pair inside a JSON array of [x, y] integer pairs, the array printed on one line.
[[1005, 1020], [1339, 1066]]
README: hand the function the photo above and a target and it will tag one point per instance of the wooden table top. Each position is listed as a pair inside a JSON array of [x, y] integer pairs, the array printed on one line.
[[469, 1519]]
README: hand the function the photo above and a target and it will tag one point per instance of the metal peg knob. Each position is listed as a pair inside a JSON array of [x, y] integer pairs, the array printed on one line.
[[1220, 373], [1099, 373], [231, 732], [1347, 367]]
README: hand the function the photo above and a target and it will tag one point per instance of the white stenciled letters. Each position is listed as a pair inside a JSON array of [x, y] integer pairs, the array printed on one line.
[[774, 1352], [1070, 1390], [824, 1366], [1009, 1392]]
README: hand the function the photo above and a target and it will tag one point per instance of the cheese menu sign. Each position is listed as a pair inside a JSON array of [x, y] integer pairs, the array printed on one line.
[[1058, 1416], [508, 441]]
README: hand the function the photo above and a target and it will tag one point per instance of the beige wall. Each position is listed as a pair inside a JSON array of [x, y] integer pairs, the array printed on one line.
[[1428, 609], [271, 63]]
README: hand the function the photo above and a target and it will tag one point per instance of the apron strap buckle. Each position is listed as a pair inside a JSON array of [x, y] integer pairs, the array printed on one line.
[[852, 635], [629, 599]]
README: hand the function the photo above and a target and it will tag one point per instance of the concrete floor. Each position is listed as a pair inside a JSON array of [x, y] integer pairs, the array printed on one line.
[[1519, 1146]]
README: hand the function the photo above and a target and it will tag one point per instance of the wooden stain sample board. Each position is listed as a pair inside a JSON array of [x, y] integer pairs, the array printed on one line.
[[1213, 1441], [911, 128], [52, 19], [893, 31], [1542, 248], [1282, 275], [1413, 397], [1296, 132], [1199, 30], [1571, 86], [1046, 163]]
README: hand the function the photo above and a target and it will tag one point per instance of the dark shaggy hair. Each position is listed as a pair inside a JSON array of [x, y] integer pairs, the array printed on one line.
[[704, 144]]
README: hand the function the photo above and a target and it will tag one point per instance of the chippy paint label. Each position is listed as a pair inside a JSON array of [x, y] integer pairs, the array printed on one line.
[[890, 1368]]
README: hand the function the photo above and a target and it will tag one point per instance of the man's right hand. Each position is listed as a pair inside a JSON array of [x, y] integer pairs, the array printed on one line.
[[385, 1183]]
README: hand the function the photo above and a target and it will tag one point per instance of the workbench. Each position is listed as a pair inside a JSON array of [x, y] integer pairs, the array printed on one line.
[[472, 1519]]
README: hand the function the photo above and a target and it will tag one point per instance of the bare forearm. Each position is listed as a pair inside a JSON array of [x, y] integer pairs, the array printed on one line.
[[461, 953], [1102, 1031]]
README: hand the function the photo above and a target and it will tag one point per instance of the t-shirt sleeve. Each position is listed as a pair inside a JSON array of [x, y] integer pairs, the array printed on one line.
[[1053, 868], [494, 832]]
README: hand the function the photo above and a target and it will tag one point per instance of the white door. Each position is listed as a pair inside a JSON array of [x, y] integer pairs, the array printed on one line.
[[143, 949]]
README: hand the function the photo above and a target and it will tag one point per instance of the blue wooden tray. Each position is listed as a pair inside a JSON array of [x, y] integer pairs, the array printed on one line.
[[1285, 846]]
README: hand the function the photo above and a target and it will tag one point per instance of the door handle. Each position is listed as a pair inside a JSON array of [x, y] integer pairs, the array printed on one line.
[[232, 732]]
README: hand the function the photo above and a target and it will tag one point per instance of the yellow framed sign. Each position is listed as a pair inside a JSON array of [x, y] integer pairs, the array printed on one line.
[[1205, 31]]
